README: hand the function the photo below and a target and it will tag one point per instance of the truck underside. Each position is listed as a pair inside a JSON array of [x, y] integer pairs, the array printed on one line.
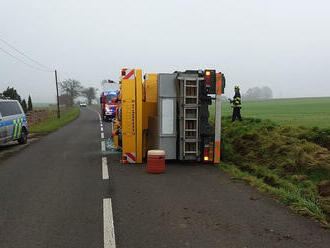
[[170, 112]]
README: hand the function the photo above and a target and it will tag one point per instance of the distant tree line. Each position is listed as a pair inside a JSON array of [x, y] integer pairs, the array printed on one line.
[[11, 93], [71, 89], [258, 93]]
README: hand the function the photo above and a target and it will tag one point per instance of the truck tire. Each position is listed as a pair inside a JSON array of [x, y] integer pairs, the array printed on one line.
[[24, 136]]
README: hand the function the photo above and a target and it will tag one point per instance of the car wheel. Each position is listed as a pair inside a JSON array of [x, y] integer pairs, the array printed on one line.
[[24, 136]]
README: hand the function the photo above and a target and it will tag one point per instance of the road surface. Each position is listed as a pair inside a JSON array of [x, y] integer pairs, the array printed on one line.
[[64, 191]]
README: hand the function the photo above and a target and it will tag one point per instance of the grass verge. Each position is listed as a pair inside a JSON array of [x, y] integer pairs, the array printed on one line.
[[53, 123], [287, 162]]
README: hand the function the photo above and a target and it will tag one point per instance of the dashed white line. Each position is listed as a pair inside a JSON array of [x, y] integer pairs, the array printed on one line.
[[105, 172], [108, 226], [103, 146], [109, 232]]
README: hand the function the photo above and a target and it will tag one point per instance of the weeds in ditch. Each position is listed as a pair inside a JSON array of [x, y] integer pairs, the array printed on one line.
[[288, 162]]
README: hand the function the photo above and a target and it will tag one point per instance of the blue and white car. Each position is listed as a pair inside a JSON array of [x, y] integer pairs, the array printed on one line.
[[13, 124]]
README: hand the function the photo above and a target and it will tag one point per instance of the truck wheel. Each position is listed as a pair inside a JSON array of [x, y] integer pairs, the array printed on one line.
[[24, 136]]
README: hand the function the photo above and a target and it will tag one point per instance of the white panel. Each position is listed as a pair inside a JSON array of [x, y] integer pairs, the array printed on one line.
[[167, 116]]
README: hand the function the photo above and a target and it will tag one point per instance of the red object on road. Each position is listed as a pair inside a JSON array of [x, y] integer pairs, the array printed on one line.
[[156, 161]]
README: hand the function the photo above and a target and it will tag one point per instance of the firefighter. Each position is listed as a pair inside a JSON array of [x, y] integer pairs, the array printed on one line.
[[236, 105]]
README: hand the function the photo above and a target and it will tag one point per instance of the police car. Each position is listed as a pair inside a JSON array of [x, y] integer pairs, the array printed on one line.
[[13, 124]]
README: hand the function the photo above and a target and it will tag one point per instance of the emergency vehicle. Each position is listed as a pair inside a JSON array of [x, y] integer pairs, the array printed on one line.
[[13, 124], [108, 101]]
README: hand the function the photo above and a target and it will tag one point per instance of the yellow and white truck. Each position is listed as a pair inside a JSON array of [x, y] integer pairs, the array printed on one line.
[[170, 112]]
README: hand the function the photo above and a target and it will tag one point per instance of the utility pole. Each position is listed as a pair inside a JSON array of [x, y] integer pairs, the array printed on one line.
[[58, 100]]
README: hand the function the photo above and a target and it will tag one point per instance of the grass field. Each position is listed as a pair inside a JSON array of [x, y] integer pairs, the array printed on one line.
[[309, 112], [53, 123], [282, 147]]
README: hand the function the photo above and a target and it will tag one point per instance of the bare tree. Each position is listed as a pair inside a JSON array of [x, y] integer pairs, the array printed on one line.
[[71, 88], [89, 93]]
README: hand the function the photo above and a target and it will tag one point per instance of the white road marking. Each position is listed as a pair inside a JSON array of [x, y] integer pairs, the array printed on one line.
[[103, 146], [105, 172], [109, 231], [108, 226]]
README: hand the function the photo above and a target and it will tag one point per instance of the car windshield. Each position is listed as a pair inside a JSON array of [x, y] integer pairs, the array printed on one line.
[[110, 97], [9, 108]]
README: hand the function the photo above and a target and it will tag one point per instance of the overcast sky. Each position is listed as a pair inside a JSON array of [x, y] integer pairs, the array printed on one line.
[[281, 44]]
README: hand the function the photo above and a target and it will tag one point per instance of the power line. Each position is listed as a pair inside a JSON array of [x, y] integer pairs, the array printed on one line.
[[43, 67], [22, 61], [24, 55], [64, 74]]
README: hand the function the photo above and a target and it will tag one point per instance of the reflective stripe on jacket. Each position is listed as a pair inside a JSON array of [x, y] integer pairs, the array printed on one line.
[[237, 100]]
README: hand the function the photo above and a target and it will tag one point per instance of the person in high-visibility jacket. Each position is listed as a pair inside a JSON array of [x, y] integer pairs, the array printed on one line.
[[236, 105]]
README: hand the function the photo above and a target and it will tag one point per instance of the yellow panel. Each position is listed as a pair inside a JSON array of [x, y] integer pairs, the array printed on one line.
[[128, 116], [116, 125], [139, 116], [151, 88], [149, 109], [151, 98], [149, 106], [139, 102]]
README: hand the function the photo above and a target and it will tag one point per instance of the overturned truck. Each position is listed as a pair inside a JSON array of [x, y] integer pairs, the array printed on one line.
[[170, 112]]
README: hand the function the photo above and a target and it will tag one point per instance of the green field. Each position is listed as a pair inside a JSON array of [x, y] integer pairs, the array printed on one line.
[[309, 112]]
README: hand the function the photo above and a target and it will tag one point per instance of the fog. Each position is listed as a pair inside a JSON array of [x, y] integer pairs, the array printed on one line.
[[281, 44]]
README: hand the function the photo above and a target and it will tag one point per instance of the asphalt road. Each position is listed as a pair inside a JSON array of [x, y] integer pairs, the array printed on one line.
[[52, 193]]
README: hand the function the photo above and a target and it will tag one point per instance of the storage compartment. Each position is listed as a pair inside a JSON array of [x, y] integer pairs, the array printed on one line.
[[167, 114]]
